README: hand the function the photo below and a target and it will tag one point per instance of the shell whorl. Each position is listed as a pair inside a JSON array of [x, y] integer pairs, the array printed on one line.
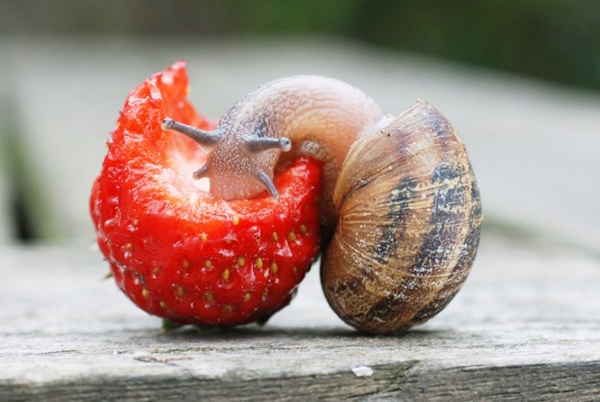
[[410, 221]]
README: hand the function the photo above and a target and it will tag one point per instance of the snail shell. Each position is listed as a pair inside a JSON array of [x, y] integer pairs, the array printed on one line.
[[399, 193], [409, 227]]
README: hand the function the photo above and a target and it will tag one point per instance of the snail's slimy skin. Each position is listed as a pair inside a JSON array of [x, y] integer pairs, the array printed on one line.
[[325, 112], [399, 193]]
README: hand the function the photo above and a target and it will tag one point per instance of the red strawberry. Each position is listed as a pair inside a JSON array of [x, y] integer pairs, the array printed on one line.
[[179, 253]]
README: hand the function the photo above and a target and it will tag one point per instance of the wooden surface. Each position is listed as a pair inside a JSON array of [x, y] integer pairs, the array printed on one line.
[[525, 326]]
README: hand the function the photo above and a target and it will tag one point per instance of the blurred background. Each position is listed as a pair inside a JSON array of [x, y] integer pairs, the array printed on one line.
[[519, 79]]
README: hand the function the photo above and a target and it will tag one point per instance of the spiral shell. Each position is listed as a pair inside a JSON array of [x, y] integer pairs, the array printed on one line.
[[410, 221]]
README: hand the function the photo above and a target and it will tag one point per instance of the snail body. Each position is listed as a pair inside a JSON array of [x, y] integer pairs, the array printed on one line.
[[321, 116], [400, 204]]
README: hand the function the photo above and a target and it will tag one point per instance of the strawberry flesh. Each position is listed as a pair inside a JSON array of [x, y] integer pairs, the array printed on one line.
[[179, 253]]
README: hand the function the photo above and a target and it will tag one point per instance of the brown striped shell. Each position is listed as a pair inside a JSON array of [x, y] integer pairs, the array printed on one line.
[[409, 227]]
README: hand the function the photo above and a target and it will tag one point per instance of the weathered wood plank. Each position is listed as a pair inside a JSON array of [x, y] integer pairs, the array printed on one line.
[[525, 326], [389, 382]]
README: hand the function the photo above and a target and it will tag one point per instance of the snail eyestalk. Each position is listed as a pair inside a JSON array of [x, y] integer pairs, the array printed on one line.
[[255, 145], [203, 138]]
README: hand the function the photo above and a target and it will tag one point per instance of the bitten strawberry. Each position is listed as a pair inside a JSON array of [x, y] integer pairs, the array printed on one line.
[[178, 252]]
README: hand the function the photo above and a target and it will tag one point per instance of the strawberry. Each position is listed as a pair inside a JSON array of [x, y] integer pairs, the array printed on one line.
[[176, 251]]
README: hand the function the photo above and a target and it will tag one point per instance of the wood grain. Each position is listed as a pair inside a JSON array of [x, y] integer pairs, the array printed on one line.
[[520, 329]]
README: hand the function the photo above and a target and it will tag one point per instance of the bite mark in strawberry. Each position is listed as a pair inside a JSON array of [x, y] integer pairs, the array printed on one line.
[[178, 252]]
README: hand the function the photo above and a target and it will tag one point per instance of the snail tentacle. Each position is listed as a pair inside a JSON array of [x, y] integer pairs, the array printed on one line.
[[200, 173], [266, 181], [260, 144], [202, 137]]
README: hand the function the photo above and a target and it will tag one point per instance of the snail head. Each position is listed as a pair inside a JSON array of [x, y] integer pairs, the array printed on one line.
[[241, 157]]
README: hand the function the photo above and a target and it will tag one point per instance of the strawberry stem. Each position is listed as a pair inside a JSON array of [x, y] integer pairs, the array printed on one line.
[[168, 325]]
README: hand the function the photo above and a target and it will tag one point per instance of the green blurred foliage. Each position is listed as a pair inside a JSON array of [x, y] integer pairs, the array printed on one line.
[[548, 39], [557, 40]]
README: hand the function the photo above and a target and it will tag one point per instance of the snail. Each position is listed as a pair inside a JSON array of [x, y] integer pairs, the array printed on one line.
[[400, 207]]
